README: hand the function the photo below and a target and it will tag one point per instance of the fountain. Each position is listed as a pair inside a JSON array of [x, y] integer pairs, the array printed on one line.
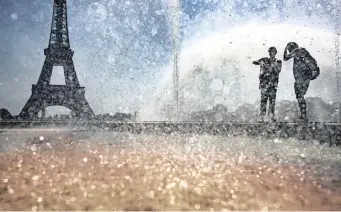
[[238, 37], [174, 19]]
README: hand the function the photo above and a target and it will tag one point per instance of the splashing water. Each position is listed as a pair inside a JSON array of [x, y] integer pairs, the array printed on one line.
[[174, 16], [217, 54], [337, 64]]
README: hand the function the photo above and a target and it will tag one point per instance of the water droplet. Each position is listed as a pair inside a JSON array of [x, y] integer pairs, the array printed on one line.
[[33, 148], [14, 16], [35, 177], [10, 190], [170, 185], [183, 184], [277, 141]]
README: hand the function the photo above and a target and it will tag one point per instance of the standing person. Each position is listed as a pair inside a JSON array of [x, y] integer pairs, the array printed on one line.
[[305, 69], [268, 82]]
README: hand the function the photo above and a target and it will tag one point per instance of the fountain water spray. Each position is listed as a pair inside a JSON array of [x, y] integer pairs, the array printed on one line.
[[208, 40], [174, 9], [337, 63]]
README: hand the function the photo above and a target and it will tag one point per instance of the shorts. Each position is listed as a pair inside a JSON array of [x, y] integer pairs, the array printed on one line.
[[301, 87]]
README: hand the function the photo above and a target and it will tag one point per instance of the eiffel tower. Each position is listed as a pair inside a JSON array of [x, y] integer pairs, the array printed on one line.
[[58, 53]]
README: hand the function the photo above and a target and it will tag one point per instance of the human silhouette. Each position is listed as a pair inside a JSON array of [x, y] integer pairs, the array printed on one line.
[[305, 69], [270, 67]]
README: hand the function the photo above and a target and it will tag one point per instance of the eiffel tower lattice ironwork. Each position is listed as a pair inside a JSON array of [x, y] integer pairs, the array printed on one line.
[[58, 53]]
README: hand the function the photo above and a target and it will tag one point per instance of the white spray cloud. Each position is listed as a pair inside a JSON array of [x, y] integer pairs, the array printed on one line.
[[217, 68]]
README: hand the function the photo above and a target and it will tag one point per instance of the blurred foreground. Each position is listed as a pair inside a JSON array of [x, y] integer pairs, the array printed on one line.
[[66, 170]]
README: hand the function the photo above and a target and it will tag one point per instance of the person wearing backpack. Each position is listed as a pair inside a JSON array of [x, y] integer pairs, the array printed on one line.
[[305, 69]]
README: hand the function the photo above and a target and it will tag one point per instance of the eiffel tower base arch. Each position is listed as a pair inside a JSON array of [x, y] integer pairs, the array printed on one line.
[[70, 97]]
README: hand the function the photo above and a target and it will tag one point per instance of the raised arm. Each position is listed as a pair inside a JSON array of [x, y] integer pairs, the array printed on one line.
[[287, 56]]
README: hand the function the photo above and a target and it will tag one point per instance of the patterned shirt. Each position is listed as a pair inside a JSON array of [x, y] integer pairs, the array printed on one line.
[[269, 71]]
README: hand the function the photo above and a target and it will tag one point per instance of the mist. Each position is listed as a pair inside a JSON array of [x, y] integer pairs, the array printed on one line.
[[216, 58], [123, 51]]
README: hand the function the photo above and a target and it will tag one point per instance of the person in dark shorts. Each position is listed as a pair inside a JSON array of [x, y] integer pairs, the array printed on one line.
[[304, 63], [270, 68]]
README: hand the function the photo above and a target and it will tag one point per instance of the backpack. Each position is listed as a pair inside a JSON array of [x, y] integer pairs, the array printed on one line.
[[314, 70], [315, 73]]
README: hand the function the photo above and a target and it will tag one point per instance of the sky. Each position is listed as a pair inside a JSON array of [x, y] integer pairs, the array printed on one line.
[[123, 49]]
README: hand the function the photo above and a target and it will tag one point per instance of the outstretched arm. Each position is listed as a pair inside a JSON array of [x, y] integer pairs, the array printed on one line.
[[257, 62]]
